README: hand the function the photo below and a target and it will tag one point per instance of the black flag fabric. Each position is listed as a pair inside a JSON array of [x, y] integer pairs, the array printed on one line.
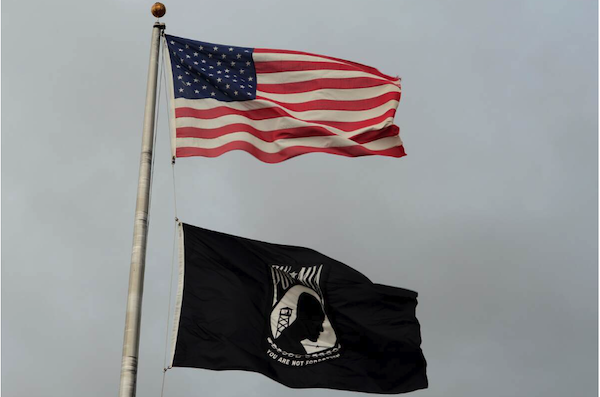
[[297, 316]]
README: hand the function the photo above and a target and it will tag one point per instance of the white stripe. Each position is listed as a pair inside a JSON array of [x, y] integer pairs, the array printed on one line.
[[274, 124], [324, 115], [278, 278], [302, 275], [307, 75], [329, 94], [317, 280], [310, 276], [274, 57], [333, 94], [284, 281], [278, 145], [210, 103], [274, 278], [284, 278]]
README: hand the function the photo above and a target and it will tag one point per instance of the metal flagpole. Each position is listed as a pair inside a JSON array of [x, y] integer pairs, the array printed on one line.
[[131, 340]]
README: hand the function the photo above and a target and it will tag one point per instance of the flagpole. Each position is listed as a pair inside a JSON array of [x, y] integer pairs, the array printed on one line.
[[131, 340]]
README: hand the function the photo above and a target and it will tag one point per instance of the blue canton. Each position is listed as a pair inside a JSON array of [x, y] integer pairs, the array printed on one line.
[[204, 70]]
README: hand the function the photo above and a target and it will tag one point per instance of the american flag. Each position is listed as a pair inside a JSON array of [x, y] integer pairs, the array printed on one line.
[[277, 104]]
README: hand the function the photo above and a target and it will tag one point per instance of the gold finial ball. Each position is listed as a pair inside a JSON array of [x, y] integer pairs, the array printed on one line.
[[158, 10]]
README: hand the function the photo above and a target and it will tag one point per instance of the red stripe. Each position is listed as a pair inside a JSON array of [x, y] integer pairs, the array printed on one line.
[[267, 136], [349, 151], [298, 66], [369, 136], [320, 84], [274, 112], [254, 114], [349, 126], [327, 104], [365, 68]]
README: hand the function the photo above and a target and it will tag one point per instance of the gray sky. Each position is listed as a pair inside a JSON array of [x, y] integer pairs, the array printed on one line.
[[492, 216]]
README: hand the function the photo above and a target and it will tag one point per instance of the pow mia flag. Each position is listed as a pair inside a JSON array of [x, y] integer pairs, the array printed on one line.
[[297, 316]]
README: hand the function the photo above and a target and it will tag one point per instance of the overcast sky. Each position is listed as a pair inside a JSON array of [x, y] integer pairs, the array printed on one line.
[[492, 216]]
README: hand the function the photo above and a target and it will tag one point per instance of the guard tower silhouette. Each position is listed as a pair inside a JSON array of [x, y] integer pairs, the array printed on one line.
[[284, 319]]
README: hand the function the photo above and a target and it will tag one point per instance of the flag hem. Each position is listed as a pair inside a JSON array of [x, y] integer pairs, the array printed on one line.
[[171, 99], [179, 296], [321, 387]]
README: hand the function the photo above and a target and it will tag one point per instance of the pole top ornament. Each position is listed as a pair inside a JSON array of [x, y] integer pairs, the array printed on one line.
[[158, 10]]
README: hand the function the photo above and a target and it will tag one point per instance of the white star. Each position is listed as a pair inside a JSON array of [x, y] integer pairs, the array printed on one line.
[[242, 87], [204, 61], [172, 42], [195, 62], [239, 56], [181, 90], [227, 86], [195, 54], [250, 78], [178, 67], [210, 74], [188, 83], [180, 49], [249, 94], [187, 56], [230, 48], [248, 63], [179, 77], [241, 71], [234, 92], [223, 56], [210, 55], [226, 70], [235, 81], [232, 63], [215, 48], [188, 73], [212, 94], [227, 75], [219, 63], [218, 72], [246, 51], [218, 80], [196, 80], [201, 48], [211, 67], [196, 91], [203, 87], [250, 85], [187, 46]]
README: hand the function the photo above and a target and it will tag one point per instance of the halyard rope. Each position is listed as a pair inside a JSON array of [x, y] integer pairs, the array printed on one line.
[[165, 368]]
